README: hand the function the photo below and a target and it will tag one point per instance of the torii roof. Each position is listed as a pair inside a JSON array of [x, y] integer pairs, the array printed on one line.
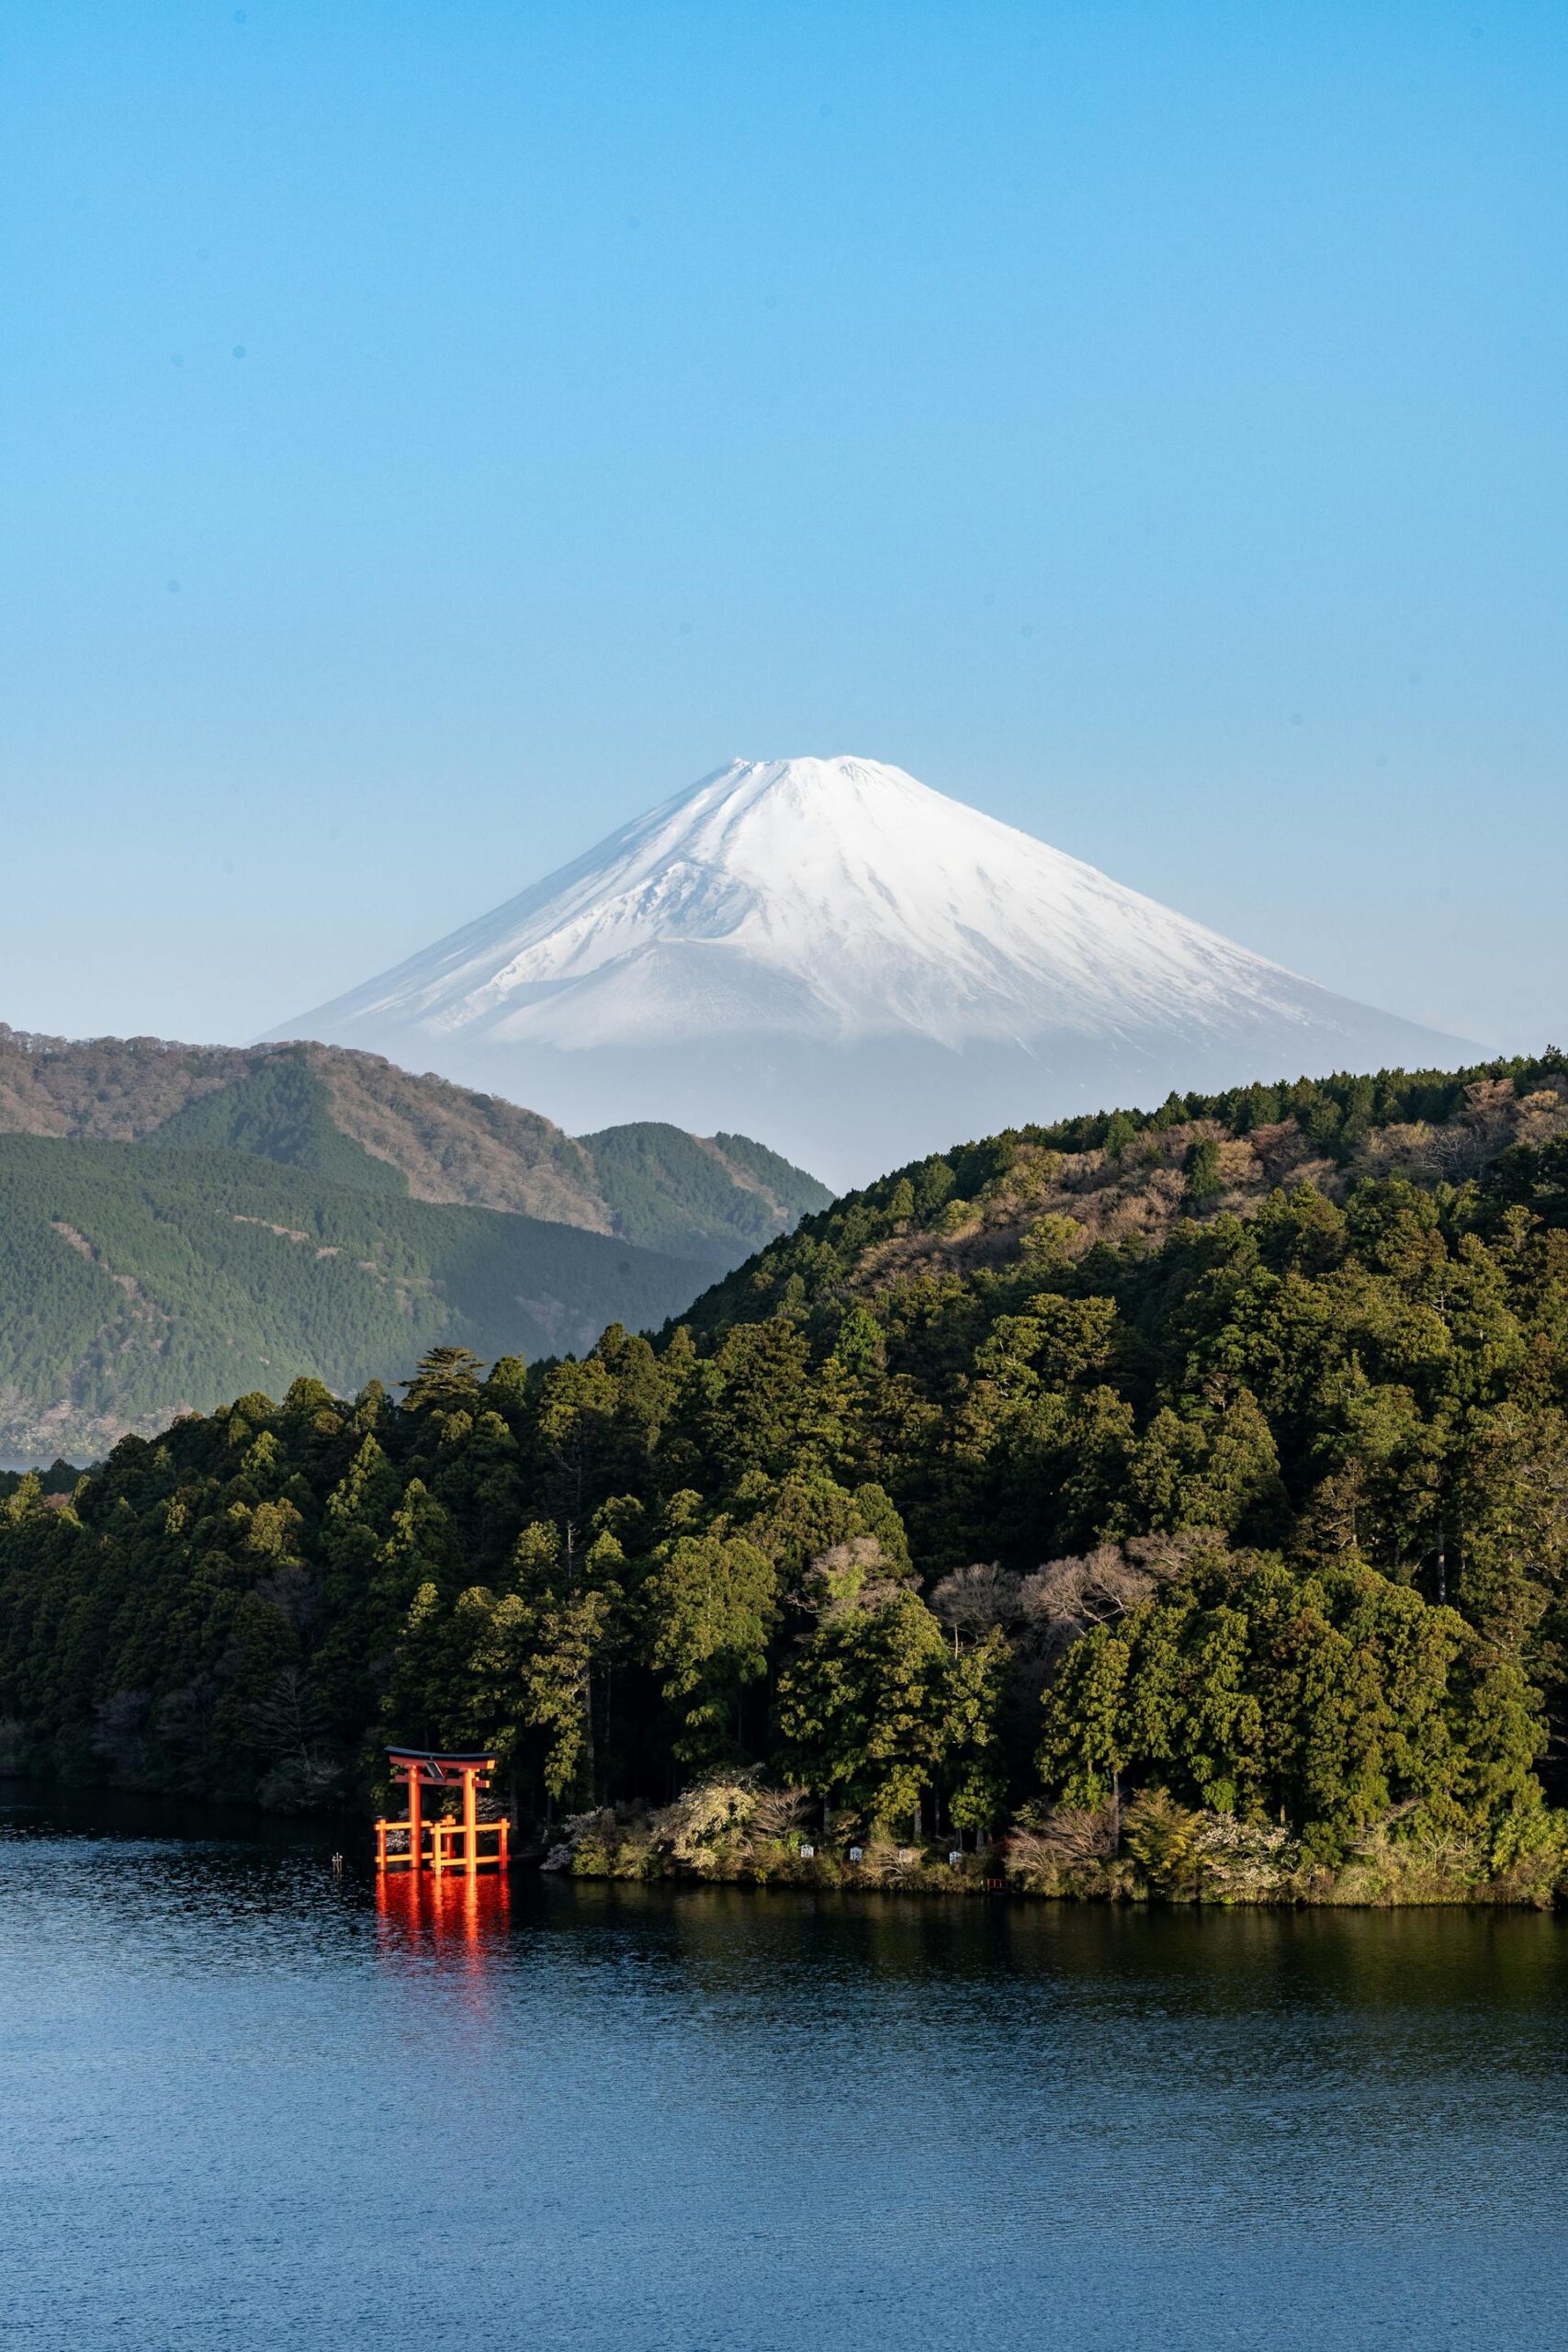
[[433, 1764]]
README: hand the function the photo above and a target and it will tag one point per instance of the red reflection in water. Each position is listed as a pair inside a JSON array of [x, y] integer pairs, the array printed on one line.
[[457, 1918]]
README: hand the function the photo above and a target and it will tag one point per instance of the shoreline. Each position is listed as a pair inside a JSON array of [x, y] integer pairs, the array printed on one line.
[[1346, 1890], [637, 1847], [654, 1850]]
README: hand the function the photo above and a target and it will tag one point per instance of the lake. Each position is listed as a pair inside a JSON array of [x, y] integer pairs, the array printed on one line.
[[244, 2103]]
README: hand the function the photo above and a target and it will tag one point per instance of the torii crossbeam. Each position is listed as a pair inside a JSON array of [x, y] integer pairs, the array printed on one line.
[[439, 1845]]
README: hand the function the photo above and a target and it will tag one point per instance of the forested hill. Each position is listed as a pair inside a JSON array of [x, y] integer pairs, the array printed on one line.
[[137, 1284], [359, 1122], [1191, 1492], [1126, 1178]]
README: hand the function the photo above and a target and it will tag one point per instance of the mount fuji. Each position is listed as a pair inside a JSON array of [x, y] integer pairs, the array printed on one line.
[[826, 953]]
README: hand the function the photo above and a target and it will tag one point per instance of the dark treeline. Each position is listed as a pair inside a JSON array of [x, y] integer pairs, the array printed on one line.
[[1212, 1466]]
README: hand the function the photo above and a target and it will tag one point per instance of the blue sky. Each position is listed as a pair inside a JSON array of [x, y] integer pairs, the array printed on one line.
[[429, 435]]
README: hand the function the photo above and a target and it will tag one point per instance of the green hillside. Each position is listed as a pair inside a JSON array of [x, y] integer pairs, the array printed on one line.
[[280, 1110], [1186, 1494], [671, 1191], [358, 1120], [794, 1190], [1126, 1179], [135, 1283]]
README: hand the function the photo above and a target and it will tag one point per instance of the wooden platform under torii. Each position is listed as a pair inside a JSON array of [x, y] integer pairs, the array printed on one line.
[[440, 1844]]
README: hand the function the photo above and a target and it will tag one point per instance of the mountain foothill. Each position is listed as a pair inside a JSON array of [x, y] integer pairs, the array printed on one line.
[[177, 1217]]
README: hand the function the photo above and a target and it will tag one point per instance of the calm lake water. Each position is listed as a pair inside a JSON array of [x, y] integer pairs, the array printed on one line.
[[243, 2104]]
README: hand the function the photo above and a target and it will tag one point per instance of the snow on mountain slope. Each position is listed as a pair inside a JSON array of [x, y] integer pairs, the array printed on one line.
[[827, 949]]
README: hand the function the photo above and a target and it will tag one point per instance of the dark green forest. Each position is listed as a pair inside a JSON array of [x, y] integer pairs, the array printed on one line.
[[1183, 1494], [136, 1282]]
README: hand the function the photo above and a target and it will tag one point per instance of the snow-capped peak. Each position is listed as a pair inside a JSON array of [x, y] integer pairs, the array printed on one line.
[[838, 910], [838, 897]]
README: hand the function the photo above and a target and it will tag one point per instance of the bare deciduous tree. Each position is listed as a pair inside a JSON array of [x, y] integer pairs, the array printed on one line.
[[1068, 1598], [971, 1600], [1069, 1839], [778, 1812]]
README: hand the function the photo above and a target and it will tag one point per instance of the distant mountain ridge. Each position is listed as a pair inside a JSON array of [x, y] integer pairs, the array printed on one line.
[[357, 1120], [832, 953]]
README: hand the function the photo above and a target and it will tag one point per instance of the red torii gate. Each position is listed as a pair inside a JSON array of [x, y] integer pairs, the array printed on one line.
[[443, 1845]]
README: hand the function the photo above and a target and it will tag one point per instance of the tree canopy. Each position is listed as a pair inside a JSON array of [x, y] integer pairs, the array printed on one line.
[[1220, 1460]]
